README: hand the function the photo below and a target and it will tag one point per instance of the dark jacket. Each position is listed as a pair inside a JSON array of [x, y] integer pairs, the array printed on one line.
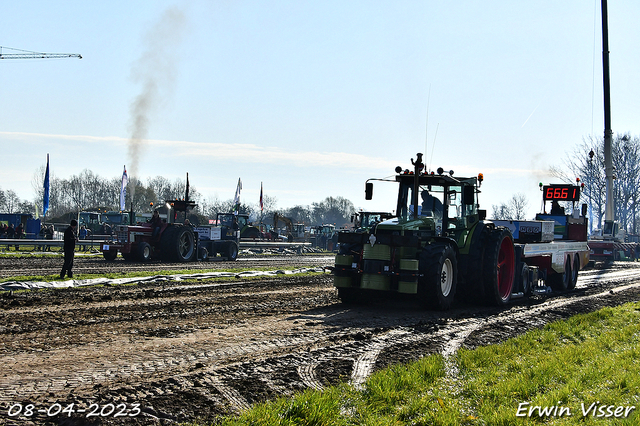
[[69, 239]]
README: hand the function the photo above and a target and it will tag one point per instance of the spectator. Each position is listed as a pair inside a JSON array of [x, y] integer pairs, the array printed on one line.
[[10, 233], [42, 234], [47, 232], [69, 249], [83, 233], [19, 233]]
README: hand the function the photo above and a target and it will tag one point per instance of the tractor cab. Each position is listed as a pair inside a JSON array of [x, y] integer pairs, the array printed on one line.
[[232, 225], [436, 203], [364, 221]]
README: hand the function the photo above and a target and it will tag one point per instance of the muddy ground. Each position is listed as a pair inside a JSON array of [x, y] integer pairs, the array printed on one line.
[[160, 353]]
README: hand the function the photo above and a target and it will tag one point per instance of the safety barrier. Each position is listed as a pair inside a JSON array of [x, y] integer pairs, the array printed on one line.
[[43, 243], [99, 239]]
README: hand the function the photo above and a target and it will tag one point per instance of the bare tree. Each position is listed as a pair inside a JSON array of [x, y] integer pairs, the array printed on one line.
[[514, 209], [501, 212], [3, 200], [300, 214], [336, 210], [587, 163], [12, 201], [519, 204]]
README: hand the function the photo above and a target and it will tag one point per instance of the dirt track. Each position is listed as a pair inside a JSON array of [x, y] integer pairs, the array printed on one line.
[[181, 351]]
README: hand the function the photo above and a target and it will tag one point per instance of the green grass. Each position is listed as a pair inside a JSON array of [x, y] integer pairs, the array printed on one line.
[[590, 358]]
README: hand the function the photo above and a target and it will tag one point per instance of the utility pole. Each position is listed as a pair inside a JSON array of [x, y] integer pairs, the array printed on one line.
[[609, 213]]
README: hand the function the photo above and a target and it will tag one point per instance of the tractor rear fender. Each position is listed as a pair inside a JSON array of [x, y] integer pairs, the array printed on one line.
[[470, 261], [474, 236], [449, 241]]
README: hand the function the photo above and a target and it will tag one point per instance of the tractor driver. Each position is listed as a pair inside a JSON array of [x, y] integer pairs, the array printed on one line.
[[156, 222], [431, 206]]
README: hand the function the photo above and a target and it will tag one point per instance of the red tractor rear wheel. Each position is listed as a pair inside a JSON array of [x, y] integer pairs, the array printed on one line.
[[499, 267], [177, 244]]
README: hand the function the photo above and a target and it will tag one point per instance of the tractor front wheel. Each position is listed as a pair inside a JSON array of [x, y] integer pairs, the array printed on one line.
[[144, 252], [110, 255], [203, 253], [439, 268], [232, 250]]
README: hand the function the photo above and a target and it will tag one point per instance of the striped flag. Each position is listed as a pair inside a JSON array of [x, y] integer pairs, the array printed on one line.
[[123, 188], [236, 199]]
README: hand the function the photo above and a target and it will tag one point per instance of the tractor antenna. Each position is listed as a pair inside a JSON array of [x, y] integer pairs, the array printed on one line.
[[434, 145], [426, 132]]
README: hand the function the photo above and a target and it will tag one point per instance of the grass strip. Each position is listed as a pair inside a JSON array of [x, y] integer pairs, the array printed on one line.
[[135, 274], [581, 371]]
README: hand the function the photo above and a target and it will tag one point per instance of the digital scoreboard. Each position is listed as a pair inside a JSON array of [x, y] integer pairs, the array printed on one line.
[[561, 193]]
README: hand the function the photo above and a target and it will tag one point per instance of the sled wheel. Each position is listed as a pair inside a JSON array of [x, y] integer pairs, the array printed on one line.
[[560, 281], [574, 273]]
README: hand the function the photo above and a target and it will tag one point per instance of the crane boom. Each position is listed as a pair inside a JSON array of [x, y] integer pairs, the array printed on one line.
[[26, 54]]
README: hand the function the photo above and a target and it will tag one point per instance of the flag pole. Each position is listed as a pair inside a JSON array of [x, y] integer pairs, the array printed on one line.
[[261, 204], [45, 201]]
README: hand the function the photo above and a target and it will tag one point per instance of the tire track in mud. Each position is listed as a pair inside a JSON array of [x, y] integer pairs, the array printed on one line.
[[275, 348]]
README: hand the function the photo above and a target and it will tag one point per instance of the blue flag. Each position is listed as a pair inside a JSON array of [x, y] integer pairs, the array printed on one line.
[[45, 203]]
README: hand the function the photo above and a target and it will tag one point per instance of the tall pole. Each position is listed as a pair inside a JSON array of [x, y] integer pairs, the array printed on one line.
[[609, 213]]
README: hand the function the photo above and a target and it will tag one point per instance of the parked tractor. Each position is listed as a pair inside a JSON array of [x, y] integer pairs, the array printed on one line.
[[364, 221], [439, 245]]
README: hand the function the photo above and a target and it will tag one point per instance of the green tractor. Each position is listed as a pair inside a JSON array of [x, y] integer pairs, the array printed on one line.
[[437, 246]]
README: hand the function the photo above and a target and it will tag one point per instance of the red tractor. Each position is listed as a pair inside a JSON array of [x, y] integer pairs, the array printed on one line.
[[171, 242]]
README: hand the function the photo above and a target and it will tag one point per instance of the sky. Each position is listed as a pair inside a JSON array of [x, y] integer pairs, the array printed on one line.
[[311, 98]]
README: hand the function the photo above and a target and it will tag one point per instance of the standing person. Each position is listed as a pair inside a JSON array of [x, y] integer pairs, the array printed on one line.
[[19, 233], [69, 248], [83, 233], [10, 233], [48, 234]]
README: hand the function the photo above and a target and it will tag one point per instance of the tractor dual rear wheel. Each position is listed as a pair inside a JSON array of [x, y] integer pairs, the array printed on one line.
[[177, 243], [499, 265]]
